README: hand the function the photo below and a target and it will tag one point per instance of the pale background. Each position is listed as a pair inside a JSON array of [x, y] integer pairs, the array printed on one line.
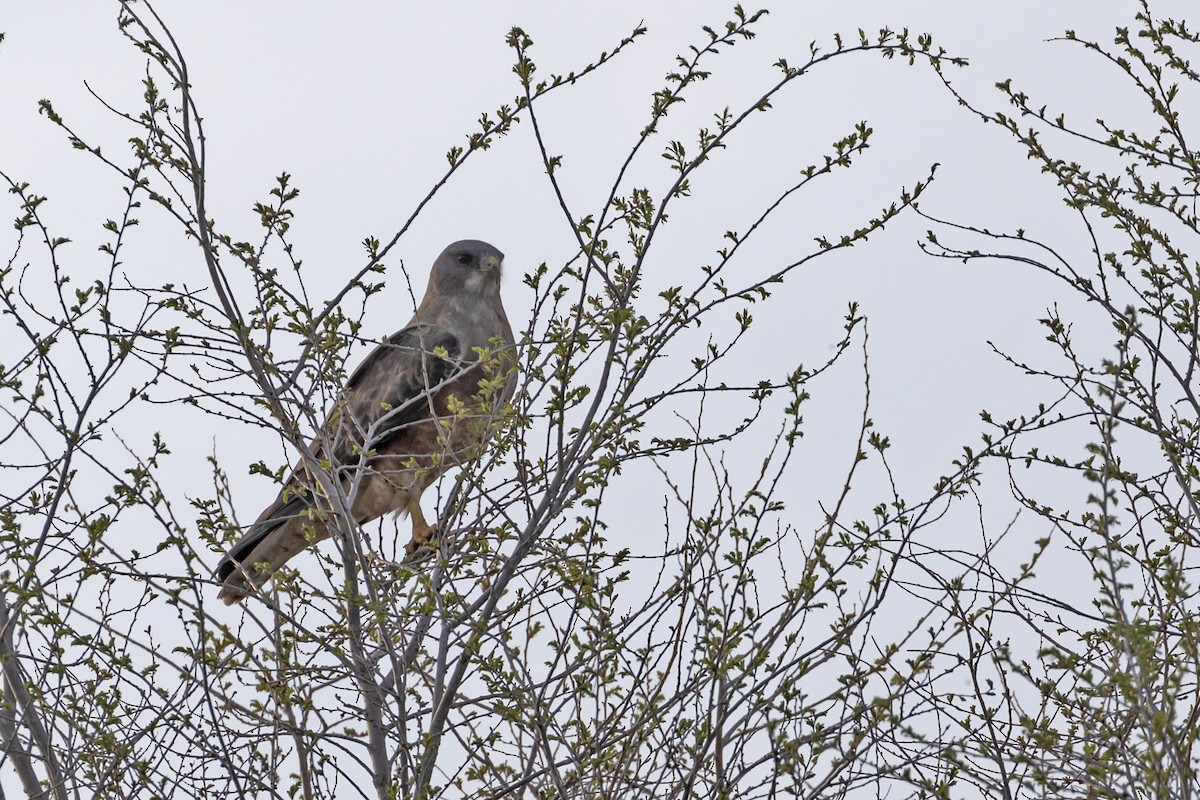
[[360, 104]]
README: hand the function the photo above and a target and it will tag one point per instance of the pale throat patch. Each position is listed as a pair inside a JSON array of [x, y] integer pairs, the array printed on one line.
[[476, 281]]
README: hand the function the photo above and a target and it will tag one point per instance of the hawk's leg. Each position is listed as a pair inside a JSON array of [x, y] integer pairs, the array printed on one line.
[[423, 532]]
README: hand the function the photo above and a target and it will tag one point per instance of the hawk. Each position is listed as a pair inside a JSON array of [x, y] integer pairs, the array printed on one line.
[[420, 403]]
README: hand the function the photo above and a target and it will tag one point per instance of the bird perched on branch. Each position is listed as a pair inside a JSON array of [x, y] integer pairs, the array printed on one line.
[[421, 402]]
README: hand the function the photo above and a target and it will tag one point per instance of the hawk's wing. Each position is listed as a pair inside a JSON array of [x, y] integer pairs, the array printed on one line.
[[390, 390], [388, 393]]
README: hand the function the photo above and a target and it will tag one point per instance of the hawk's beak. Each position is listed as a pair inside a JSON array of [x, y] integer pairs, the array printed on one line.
[[490, 262]]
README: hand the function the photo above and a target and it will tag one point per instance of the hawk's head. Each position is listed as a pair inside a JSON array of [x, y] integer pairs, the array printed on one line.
[[469, 267]]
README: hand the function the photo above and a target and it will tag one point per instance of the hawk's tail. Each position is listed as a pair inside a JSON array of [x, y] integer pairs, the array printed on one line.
[[282, 532]]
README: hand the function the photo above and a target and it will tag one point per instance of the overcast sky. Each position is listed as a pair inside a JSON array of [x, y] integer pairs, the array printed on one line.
[[360, 105]]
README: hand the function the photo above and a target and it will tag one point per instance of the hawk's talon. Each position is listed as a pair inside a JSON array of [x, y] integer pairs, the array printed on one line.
[[422, 539], [420, 554]]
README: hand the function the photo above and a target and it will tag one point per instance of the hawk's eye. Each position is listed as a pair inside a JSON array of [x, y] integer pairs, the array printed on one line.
[[464, 258]]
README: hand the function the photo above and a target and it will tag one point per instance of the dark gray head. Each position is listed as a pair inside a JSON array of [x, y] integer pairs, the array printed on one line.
[[469, 267]]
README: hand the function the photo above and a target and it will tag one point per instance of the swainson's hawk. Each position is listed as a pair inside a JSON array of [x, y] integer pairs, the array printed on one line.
[[420, 403]]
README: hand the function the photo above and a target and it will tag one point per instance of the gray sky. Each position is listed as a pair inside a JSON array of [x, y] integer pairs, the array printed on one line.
[[360, 107]]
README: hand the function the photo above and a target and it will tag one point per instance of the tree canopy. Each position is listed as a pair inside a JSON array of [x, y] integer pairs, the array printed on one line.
[[650, 583]]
